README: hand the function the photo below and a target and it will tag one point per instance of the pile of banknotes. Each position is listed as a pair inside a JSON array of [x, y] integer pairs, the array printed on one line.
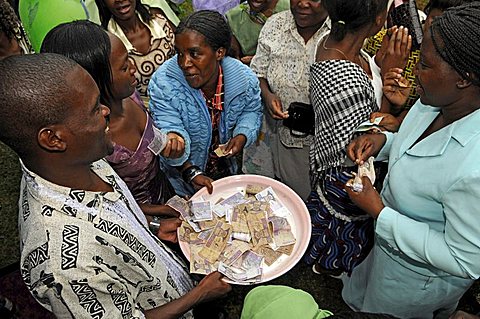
[[238, 235]]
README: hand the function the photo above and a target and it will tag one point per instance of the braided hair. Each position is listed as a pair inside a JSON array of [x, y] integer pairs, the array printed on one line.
[[444, 4], [9, 23], [351, 15], [456, 37], [212, 25]]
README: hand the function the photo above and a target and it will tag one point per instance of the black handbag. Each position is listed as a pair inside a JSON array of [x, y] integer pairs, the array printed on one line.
[[301, 119]]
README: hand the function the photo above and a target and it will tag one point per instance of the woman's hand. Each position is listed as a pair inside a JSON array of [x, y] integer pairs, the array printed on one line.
[[200, 181], [383, 48], [274, 107], [362, 147], [396, 88], [398, 49], [235, 145], [175, 146], [168, 229], [212, 287], [368, 199], [389, 122]]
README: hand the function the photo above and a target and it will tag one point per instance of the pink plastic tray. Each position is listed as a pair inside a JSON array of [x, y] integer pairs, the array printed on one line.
[[299, 218]]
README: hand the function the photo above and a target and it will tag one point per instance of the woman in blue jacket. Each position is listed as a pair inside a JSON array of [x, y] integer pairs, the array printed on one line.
[[207, 99]]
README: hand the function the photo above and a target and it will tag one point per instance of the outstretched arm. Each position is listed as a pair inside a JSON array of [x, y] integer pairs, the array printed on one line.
[[211, 287]]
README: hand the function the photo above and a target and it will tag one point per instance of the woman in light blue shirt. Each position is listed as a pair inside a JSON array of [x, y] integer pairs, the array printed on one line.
[[427, 245]]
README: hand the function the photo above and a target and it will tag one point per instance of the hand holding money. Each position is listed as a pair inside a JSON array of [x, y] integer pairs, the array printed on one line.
[[364, 169], [220, 150], [235, 145], [368, 199], [211, 287], [174, 147], [168, 229]]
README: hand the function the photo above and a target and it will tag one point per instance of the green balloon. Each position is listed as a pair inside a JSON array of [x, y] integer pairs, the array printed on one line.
[[41, 16]]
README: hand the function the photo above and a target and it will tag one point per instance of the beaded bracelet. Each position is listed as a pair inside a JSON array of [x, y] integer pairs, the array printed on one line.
[[190, 173]]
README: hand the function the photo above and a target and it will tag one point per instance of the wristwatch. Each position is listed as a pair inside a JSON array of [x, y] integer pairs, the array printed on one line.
[[154, 225]]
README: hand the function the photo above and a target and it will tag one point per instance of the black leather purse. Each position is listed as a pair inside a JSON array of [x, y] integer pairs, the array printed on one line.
[[301, 119]]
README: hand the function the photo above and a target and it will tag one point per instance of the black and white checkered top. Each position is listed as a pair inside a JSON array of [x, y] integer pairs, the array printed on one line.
[[343, 97]]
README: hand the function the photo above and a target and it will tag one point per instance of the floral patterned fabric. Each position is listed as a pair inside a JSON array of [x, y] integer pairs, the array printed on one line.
[[161, 49]]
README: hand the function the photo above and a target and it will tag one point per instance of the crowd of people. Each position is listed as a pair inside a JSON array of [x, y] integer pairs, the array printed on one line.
[[114, 107]]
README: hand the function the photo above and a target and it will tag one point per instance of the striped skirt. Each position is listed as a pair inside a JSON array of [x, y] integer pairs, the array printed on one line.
[[342, 234]]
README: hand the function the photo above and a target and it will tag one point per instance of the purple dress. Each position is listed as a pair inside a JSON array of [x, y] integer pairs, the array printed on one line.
[[140, 169]]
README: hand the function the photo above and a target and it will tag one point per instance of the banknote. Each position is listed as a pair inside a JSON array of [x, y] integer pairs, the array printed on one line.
[[259, 230], [234, 274], [281, 231], [220, 150], [184, 232], [216, 242], [365, 169], [198, 264], [234, 251], [268, 195], [204, 234], [159, 141], [207, 224], [187, 234], [240, 274], [238, 219], [182, 206], [257, 206], [253, 189], [201, 211], [270, 255], [251, 260], [287, 250], [221, 208]]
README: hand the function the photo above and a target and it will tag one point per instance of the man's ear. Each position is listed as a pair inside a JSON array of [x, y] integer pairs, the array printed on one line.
[[221, 53], [50, 139]]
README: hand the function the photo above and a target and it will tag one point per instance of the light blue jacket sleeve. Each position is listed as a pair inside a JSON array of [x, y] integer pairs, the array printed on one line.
[[166, 110], [456, 250], [385, 151], [250, 119]]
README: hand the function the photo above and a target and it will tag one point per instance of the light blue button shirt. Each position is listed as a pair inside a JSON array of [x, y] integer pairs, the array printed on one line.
[[432, 196]]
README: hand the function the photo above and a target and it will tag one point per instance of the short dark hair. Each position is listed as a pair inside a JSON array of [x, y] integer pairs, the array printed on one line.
[[456, 37], [212, 25], [105, 14], [444, 4], [351, 15], [33, 94], [87, 44]]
